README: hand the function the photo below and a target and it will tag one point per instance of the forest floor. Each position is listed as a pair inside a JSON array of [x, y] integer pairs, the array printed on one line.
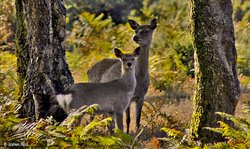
[[160, 111]]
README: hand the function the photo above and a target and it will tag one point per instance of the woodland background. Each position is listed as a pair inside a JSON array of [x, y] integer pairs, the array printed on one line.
[[94, 28]]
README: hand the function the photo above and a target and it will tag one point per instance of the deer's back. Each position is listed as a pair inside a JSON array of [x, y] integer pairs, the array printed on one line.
[[101, 68], [113, 73]]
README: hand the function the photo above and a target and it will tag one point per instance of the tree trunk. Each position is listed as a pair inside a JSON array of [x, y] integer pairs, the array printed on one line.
[[47, 72], [22, 48], [217, 84]]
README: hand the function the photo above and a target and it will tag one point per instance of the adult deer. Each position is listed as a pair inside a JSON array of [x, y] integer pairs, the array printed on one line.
[[113, 97], [109, 69]]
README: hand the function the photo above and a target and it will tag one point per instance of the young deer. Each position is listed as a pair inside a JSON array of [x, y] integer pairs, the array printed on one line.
[[113, 97], [109, 69]]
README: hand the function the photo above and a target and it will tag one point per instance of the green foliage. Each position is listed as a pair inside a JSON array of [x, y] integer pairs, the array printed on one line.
[[71, 133], [237, 136], [86, 33], [175, 59], [241, 10], [117, 10], [125, 137], [172, 132], [242, 31], [8, 76], [8, 119], [92, 33]]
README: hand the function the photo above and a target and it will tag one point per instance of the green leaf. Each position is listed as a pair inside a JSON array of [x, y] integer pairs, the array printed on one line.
[[107, 142], [173, 132], [126, 138]]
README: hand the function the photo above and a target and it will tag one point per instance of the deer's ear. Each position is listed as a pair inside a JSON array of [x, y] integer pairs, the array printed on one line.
[[153, 23], [118, 53], [133, 24], [137, 51]]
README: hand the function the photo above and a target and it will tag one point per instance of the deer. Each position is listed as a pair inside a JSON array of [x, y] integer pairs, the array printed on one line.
[[113, 97], [108, 69]]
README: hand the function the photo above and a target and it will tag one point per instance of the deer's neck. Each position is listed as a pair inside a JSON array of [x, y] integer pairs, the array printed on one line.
[[129, 78], [142, 60]]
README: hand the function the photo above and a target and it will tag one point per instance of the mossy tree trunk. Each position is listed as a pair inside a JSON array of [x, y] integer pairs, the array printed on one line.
[[45, 72], [22, 47], [217, 84]]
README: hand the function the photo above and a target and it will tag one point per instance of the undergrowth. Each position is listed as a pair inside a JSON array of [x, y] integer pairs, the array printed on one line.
[[17, 132], [237, 136]]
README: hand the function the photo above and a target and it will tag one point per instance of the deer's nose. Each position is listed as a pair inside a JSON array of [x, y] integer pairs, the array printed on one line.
[[136, 38], [129, 64]]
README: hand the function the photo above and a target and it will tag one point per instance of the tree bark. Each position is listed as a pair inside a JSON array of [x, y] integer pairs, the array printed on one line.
[[47, 72], [217, 84], [22, 48]]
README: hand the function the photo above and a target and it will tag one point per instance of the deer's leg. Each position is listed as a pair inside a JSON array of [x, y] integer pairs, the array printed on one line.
[[119, 120], [112, 124], [128, 118], [139, 104]]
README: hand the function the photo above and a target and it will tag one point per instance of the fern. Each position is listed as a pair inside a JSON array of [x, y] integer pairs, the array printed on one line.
[[8, 120], [124, 137], [93, 125], [109, 142], [173, 132], [46, 133], [74, 118], [238, 136], [241, 122]]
